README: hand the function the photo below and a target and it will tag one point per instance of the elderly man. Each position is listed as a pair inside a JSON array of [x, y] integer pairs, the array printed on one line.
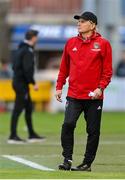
[[87, 61]]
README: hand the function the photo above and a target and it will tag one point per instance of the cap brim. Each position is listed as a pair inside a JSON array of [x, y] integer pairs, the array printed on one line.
[[80, 17], [77, 17]]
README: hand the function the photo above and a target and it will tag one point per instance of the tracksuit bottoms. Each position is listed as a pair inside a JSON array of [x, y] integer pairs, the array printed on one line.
[[92, 113], [22, 102]]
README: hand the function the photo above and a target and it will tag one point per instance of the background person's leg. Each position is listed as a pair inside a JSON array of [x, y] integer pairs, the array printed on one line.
[[18, 108], [93, 111], [28, 114]]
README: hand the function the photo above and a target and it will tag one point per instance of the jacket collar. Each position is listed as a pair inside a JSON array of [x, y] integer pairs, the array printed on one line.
[[88, 39], [28, 43]]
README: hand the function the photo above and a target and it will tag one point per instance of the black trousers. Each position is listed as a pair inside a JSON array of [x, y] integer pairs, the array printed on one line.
[[92, 112], [22, 102]]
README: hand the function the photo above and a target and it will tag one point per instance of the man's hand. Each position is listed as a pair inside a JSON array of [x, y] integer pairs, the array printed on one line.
[[97, 93], [36, 87], [58, 95]]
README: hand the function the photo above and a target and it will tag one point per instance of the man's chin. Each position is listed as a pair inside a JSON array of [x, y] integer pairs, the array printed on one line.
[[79, 31]]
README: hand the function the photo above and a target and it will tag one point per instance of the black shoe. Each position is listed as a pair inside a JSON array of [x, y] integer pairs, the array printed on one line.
[[66, 166], [35, 138], [15, 140], [81, 167]]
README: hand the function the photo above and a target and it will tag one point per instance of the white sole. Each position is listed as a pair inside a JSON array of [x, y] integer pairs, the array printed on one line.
[[15, 142], [35, 140]]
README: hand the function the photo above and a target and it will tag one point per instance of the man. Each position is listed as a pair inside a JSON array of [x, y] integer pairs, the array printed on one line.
[[120, 70], [87, 61], [23, 67]]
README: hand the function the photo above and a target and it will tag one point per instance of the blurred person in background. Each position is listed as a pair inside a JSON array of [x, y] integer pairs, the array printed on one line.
[[23, 67], [87, 61], [120, 70], [5, 72]]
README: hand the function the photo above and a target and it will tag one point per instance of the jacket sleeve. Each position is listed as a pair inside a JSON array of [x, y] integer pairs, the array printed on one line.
[[28, 67], [64, 69], [107, 66]]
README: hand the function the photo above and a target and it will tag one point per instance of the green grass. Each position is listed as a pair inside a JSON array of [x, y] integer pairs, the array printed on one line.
[[109, 163]]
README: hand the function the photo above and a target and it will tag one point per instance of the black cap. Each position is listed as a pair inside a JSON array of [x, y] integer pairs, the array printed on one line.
[[31, 33], [88, 16]]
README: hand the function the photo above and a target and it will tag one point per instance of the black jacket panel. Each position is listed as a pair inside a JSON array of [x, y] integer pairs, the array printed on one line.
[[23, 64]]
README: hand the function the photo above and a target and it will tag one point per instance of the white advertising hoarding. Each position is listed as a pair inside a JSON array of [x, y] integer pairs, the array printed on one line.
[[114, 97]]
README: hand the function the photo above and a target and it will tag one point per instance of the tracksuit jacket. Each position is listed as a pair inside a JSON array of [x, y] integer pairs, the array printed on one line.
[[23, 65], [87, 63]]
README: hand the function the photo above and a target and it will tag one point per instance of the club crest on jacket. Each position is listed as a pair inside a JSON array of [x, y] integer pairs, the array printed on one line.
[[96, 47]]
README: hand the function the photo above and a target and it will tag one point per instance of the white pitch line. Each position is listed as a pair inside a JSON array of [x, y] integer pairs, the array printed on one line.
[[27, 162], [112, 142], [101, 142]]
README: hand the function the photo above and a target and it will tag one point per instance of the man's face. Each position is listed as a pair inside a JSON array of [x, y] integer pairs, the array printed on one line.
[[34, 40], [85, 26]]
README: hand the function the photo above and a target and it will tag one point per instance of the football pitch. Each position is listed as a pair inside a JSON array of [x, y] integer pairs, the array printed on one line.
[[110, 159]]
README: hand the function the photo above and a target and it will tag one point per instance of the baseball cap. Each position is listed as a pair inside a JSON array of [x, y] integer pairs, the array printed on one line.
[[88, 16]]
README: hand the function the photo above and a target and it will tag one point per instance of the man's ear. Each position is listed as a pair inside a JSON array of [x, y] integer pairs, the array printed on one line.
[[93, 26]]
